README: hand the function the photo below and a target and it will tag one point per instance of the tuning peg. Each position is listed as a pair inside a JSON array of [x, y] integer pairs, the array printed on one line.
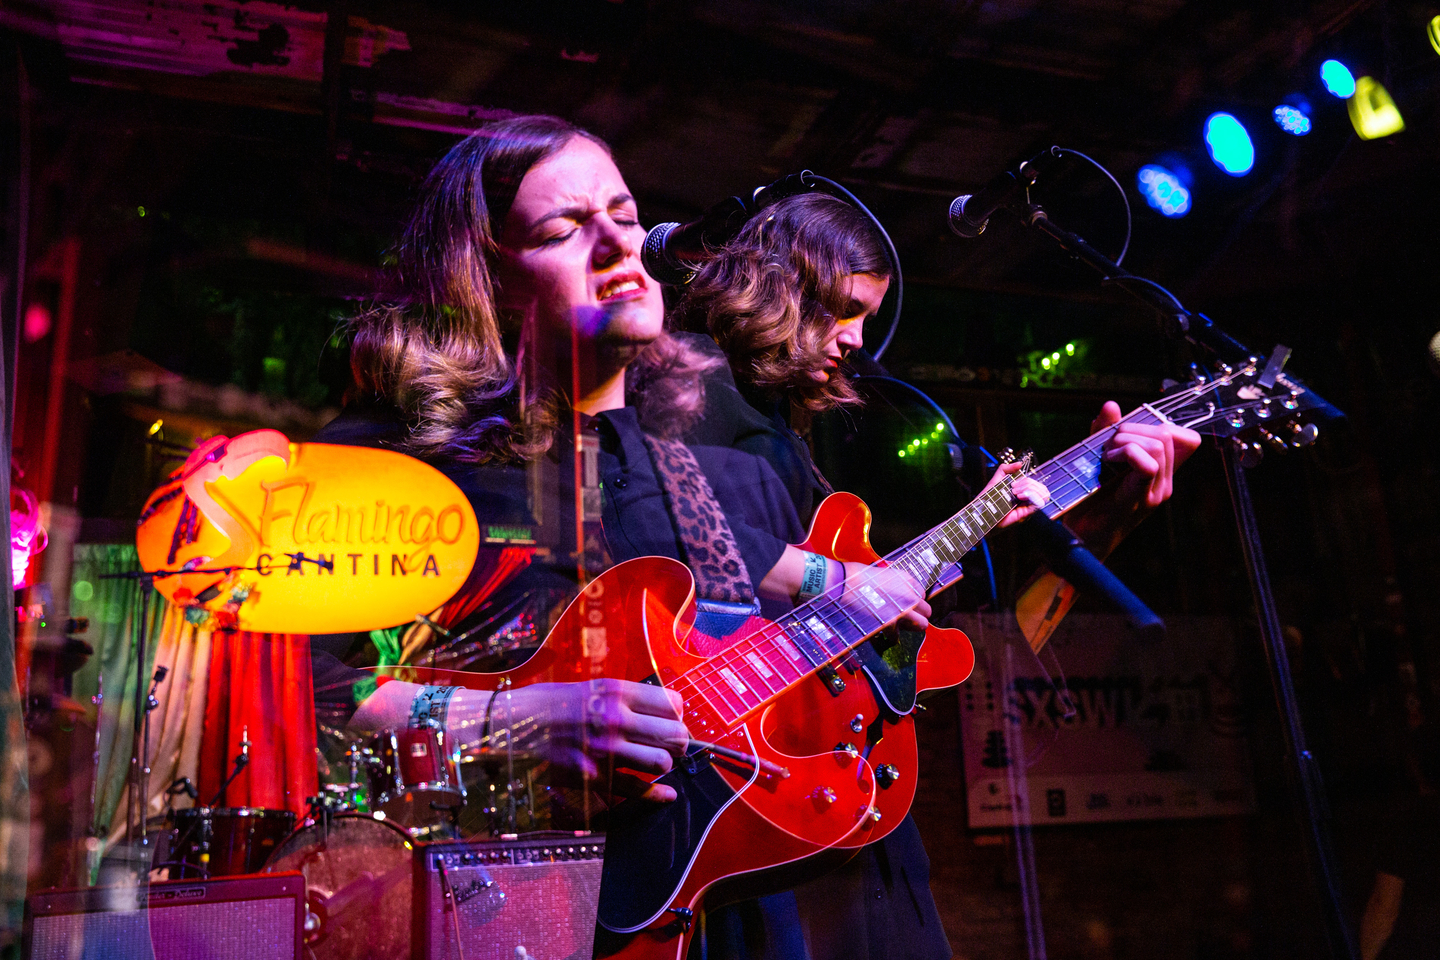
[[1303, 434], [1250, 454], [1007, 455], [1272, 441]]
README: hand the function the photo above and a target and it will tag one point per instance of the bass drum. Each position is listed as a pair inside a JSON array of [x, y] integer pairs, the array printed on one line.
[[357, 886]]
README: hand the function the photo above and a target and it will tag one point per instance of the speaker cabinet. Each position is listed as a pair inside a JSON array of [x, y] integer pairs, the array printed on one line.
[[490, 901], [232, 918]]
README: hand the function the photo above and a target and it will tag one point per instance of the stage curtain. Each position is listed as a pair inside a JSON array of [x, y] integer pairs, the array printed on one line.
[[261, 689], [113, 608], [176, 726]]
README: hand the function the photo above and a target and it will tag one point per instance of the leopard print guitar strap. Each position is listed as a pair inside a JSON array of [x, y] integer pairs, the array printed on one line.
[[709, 546]]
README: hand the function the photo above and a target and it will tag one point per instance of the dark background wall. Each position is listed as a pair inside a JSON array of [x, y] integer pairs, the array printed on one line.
[[229, 198]]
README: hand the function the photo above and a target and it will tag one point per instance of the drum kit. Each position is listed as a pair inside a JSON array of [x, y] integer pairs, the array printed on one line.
[[355, 848]]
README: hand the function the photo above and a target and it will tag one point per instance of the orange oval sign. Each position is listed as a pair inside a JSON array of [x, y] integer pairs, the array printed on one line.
[[306, 537]]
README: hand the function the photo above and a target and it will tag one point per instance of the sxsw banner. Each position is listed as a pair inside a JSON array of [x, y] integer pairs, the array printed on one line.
[[1100, 726]]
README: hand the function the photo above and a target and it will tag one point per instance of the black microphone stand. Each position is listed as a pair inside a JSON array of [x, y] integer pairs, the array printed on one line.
[[1304, 772]]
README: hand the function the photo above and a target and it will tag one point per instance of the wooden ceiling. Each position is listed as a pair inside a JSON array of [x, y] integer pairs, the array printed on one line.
[[909, 102]]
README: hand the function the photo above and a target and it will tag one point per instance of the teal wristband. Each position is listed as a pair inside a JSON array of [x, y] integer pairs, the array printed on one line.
[[812, 583]]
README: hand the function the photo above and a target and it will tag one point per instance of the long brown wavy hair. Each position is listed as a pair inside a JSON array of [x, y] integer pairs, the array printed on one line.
[[772, 295], [440, 350]]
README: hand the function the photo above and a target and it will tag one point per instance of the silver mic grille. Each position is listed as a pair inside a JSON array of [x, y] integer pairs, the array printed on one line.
[[960, 224], [659, 264]]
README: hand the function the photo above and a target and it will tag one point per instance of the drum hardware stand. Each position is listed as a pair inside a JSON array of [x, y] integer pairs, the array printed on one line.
[[1200, 331], [451, 811], [242, 760], [180, 787]]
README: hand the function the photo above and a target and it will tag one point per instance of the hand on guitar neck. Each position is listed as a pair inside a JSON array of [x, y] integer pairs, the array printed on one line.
[[1151, 452]]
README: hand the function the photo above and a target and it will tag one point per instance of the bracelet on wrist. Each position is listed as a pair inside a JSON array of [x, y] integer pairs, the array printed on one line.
[[815, 578]]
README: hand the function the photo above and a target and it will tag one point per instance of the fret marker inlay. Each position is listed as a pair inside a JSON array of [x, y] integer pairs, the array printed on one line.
[[872, 597], [817, 627]]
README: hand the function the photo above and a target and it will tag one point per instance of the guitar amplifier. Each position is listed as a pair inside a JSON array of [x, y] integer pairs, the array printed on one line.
[[488, 901], [232, 918]]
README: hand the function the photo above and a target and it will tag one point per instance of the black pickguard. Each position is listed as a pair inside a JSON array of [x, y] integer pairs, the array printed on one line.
[[889, 660], [649, 846]]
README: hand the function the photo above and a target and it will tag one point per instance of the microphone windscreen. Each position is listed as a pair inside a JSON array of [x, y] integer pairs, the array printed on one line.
[[961, 225], [1432, 357], [657, 262]]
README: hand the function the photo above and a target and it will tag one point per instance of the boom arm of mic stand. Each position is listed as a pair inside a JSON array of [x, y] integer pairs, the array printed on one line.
[[1069, 559], [1176, 321]]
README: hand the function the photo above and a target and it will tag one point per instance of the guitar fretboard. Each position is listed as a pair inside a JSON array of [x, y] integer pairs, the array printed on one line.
[[733, 684]]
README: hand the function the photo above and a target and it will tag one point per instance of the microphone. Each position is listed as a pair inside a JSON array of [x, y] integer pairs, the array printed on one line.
[[671, 250], [970, 214]]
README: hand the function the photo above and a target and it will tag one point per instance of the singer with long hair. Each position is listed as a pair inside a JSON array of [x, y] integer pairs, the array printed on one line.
[[518, 316]]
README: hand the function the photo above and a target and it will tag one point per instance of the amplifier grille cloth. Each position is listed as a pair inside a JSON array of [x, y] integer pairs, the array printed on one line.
[[547, 908], [234, 930]]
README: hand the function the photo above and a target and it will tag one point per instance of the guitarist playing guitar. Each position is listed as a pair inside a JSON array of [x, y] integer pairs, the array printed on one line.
[[787, 299]]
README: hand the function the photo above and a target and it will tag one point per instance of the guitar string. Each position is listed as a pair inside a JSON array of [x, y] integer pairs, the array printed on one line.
[[988, 500], [1161, 411], [733, 657]]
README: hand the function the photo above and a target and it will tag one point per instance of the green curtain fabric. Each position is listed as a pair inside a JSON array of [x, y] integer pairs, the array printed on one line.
[[113, 606]]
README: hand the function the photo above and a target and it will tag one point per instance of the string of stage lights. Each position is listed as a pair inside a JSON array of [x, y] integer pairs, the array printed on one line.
[[1168, 184]]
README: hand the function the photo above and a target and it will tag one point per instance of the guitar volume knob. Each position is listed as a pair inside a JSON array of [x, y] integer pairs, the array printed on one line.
[[886, 775]]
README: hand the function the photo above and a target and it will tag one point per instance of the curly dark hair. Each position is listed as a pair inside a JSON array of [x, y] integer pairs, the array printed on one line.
[[439, 348], [771, 297]]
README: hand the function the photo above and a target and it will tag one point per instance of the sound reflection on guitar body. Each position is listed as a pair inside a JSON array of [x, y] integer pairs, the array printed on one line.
[[802, 739]]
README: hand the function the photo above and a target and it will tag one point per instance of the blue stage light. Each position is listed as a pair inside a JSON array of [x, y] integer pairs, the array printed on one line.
[[1292, 120], [1337, 79], [1229, 144], [1163, 190]]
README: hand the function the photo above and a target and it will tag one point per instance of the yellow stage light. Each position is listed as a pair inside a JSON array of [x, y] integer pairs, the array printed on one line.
[[1372, 113], [1432, 29]]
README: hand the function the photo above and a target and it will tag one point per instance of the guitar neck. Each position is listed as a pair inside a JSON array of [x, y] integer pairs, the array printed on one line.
[[741, 679], [734, 683], [933, 559]]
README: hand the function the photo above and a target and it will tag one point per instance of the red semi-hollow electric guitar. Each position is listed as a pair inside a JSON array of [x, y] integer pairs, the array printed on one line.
[[802, 740]]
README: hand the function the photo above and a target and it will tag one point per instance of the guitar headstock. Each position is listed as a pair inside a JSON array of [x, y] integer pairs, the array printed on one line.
[[1252, 403]]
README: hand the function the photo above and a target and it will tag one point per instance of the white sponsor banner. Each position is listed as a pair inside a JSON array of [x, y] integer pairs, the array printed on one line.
[[1102, 726]]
